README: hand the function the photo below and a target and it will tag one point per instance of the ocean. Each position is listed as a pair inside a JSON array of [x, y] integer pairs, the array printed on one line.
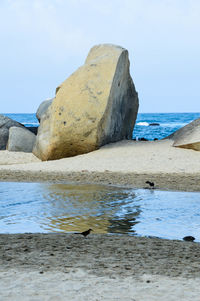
[[48, 207], [167, 123]]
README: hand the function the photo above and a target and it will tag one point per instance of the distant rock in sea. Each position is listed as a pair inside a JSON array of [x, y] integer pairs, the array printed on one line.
[[154, 124], [96, 105]]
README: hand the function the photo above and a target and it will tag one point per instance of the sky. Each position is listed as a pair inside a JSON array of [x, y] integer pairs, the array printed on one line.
[[44, 41]]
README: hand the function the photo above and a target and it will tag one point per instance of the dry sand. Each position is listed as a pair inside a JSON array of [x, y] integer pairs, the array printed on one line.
[[99, 267], [126, 163], [103, 267]]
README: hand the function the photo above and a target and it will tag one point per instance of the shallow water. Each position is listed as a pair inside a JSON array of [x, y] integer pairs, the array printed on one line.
[[39, 207]]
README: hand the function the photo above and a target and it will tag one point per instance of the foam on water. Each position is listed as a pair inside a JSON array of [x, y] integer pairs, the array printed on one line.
[[143, 123]]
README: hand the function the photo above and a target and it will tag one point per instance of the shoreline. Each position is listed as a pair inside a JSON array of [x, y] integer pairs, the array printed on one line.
[[126, 163], [34, 251], [99, 267], [189, 182]]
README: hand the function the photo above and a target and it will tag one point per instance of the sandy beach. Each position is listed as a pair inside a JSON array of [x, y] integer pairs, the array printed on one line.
[[125, 163], [99, 267], [102, 266]]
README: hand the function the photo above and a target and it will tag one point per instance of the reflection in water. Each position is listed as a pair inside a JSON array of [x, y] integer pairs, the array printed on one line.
[[36, 207], [102, 208]]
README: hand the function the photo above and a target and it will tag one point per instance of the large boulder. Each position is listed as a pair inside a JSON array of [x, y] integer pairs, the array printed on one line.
[[96, 105], [43, 107], [20, 140], [188, 136], [5, 124]]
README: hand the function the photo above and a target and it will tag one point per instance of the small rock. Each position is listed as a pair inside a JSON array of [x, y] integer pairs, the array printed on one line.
[[189, 238], [154, 124]]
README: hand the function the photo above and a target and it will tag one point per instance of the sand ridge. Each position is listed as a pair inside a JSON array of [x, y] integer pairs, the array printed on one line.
[[128, 163]]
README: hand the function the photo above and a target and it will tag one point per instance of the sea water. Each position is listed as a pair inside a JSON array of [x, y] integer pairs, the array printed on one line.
[[39, 207], [167, 123]]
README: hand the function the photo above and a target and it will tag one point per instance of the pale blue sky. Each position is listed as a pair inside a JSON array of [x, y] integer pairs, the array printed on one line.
[[44, 41]]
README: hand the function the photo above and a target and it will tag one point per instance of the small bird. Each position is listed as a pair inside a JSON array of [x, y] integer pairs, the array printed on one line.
[[151, 184], [189, 238], [85, 233]]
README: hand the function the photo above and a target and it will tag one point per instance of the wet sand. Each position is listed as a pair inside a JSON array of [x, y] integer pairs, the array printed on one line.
[[99, 267]]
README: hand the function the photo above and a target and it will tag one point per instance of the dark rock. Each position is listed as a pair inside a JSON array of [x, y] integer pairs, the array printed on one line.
[[189, 238], [142, 139], [154, 124], [33, 129], [5, 124]]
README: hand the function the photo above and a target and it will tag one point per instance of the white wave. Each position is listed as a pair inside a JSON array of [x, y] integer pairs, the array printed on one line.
[[30, 123], [143, 123]]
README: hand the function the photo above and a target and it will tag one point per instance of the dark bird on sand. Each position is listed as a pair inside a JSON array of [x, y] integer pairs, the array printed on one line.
[[151, 184], [189, 238], [85, 233]]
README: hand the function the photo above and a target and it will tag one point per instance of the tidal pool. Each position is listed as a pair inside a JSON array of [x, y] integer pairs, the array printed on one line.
[[40, 207]]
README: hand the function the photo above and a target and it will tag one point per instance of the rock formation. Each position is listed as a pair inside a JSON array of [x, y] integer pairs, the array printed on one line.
[[20, 140], [96, 105], [188, 136], [42, 108], [5, 124]]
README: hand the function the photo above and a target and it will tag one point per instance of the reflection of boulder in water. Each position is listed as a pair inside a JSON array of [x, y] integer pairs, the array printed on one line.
[[75, 208], [124, 225], [78, 224]]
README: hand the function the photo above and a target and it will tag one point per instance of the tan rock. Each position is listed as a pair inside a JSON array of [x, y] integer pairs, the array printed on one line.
[[188, 136], [96, 105]]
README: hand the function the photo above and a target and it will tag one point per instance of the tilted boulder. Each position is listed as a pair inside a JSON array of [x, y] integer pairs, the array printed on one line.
[[5, 124], [188, 136], [42, 108], [96, 105], [20, 140]]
